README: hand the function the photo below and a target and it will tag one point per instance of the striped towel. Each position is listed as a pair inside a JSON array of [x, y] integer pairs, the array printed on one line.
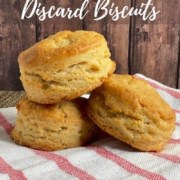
[[106, 159]]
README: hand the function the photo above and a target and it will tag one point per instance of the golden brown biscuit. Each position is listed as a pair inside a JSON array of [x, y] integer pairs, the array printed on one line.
[[65, 66], [53, 127], [132, 111]]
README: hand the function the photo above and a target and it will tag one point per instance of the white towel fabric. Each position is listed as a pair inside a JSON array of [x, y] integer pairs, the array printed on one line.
[[106, 159]]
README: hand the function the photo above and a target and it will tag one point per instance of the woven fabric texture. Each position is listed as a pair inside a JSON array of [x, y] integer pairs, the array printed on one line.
[[105, 159]]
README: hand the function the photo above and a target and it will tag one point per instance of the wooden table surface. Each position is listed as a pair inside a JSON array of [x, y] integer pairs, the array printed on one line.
[[10, 98]]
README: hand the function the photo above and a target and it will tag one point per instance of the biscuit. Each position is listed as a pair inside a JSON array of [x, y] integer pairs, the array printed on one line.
[[65, 66], [132, 111], [53, 127]]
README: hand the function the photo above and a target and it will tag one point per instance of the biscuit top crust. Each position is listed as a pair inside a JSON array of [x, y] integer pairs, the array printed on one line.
[[131, 96], [61, 49], [71, 112]]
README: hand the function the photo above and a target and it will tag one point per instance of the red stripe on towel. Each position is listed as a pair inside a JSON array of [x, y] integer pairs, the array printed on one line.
[[128, 166], [5, 124], [157, 86], [176, 111], [61, 162], [65, 165], [167, 90], [5, 168], [172, 158], [174, 141]]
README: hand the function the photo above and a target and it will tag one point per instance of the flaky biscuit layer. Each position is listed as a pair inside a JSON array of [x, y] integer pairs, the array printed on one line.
[[132, 111], [65, 66], [53, 127]]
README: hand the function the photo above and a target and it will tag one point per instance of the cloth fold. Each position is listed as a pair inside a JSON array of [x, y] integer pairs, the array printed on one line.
[[106, 158]]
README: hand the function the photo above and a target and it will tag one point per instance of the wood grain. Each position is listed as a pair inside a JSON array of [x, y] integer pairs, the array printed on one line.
[[155, 46], [178, 82], [51, 26], [116, 33], [137, 46], [118, 39], [90, 24], [178, 85], [13, 39]]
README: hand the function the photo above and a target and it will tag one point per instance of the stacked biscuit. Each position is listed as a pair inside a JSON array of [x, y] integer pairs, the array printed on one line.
[[54, 73], [132, 111], [59, 69]]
